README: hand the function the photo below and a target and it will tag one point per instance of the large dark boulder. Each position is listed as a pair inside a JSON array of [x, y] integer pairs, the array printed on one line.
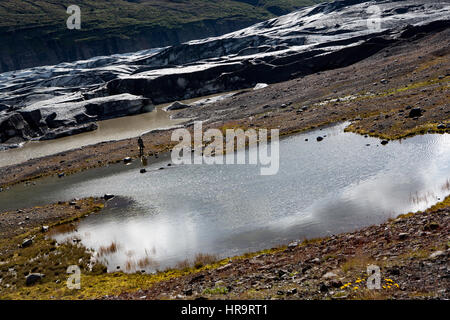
[[415, 112], [14, 125], [33, 278], [33, 118]]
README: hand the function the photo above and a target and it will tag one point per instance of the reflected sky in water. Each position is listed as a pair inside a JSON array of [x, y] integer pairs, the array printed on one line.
[[337, 185]]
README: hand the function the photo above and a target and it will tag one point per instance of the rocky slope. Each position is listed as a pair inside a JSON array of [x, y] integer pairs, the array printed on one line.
[[43, 101]]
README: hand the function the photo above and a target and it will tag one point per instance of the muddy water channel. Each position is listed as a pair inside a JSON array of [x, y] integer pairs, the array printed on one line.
[[322, 188], [108, 130]]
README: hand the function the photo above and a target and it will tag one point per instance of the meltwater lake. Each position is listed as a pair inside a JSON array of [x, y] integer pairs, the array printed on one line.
[[343, 183]]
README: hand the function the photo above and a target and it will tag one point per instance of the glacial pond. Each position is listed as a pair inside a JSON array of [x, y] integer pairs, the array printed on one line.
[[340, 184]]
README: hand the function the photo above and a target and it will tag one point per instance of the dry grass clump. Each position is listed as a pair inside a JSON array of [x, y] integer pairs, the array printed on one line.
[[147, 262], [62, 229], [446, 186], [112, 248], [200, 260]]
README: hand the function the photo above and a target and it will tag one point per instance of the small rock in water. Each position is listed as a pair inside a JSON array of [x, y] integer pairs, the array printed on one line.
[[143, 171], [60, 175], [319, 139], [384, 142], [108, 196], [127, 160]]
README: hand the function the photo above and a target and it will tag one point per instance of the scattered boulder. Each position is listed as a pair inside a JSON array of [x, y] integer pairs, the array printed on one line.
[[431, 226], [197, 278], [292, 291], [329, 275], [177, 106], [260, 86], [441, 126], [403, 236], [323, 287], [33, 278], [127, 160], [415, 112], [293, 245], [26, 243], [44, 229], [436, 255]]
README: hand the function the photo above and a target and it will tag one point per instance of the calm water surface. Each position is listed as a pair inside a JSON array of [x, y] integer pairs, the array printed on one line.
[[337, 185]]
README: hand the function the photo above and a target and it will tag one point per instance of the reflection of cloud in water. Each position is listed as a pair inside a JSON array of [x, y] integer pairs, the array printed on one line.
[[336, 185], [161, 239]]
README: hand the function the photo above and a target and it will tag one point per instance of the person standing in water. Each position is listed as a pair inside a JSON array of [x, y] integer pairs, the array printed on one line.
[[141, 147]]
